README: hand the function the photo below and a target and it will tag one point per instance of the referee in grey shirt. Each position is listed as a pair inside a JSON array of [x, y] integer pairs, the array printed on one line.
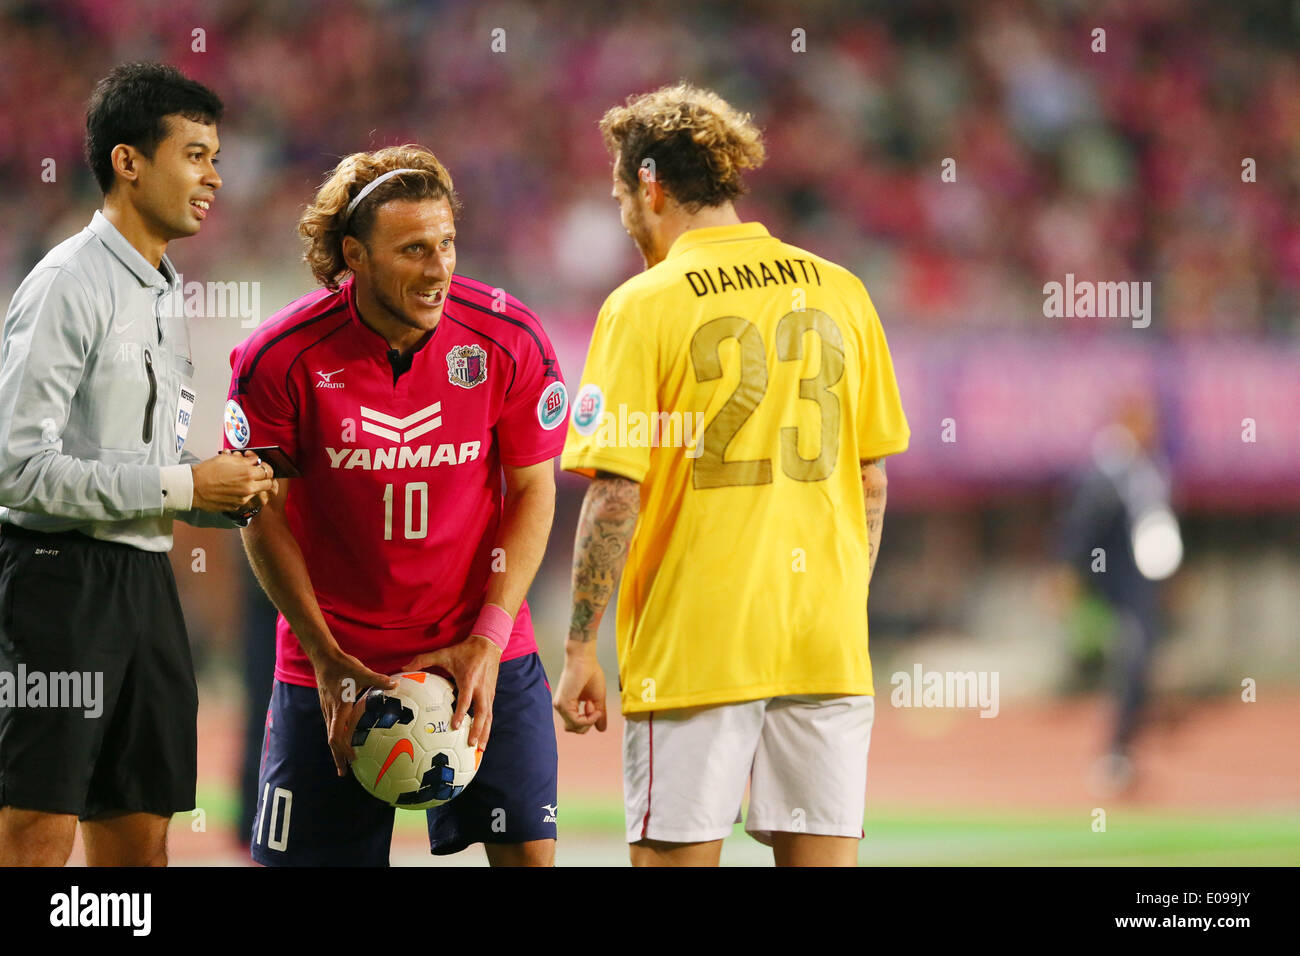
[[98, 704]]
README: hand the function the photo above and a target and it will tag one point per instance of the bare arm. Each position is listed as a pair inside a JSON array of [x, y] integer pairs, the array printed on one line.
[[278, 563], [874, 485], [525, 526], [280, 568], [609, 514], [605, 527]]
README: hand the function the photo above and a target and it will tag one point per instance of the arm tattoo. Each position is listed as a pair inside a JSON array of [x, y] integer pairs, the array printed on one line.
[[873, 495], [605, 527]]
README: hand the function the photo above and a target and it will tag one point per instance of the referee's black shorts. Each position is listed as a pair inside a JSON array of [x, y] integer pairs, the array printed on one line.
[[97, 627]]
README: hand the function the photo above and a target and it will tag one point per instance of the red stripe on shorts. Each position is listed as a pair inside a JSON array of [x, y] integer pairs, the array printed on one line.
[[645, 821]]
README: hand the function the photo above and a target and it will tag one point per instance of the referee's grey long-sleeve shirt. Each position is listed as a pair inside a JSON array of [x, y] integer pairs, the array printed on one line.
[[92, 413]]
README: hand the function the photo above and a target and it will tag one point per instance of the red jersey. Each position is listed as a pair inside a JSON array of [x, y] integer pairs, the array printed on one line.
[[401, 494]]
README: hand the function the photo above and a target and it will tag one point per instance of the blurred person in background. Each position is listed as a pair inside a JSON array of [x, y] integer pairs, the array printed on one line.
[[1119, 539]]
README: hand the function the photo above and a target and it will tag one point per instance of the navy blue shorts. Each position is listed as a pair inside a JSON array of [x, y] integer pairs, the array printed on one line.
[[307, 815]]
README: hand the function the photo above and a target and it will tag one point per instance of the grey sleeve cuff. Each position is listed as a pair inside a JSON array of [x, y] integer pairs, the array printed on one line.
[[177, 487]]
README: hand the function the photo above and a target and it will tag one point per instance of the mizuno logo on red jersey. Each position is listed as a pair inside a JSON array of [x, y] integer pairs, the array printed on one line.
[[401, 429]]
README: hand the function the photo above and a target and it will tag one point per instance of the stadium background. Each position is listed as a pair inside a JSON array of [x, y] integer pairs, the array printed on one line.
[[1122, 165]]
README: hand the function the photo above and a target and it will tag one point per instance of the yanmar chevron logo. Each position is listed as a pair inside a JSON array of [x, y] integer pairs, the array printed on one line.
[[401, 429], [402, 454]]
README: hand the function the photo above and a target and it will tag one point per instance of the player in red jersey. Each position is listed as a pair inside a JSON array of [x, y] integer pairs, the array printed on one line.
[[405, 395]]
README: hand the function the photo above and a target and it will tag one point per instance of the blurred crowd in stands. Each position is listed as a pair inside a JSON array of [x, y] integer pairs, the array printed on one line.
[[1119, 165]]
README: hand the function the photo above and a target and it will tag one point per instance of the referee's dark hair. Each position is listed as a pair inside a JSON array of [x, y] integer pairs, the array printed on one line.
[[130, 105]]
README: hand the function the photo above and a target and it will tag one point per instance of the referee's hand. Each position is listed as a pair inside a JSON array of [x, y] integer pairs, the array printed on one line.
[[232, 481]]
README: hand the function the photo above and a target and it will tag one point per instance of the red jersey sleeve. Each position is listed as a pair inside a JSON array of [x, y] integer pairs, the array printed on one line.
[[529, 429], [259, 409]]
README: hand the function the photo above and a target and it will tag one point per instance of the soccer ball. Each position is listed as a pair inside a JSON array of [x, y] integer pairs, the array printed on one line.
[[407, 754]]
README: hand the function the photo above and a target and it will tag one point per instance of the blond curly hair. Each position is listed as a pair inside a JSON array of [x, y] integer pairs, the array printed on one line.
[[324, 224], [698, 142]]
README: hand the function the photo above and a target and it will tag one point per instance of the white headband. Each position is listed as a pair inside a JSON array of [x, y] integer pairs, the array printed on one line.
[[371, 185]]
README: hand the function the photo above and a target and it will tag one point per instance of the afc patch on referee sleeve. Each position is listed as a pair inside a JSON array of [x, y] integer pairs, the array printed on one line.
[[552, 406]]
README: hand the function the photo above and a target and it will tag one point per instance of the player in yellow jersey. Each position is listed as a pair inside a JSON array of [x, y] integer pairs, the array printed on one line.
[[735, 410]]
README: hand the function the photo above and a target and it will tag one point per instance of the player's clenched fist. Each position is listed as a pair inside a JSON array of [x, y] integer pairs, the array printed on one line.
[[233, 482], [580, 693]]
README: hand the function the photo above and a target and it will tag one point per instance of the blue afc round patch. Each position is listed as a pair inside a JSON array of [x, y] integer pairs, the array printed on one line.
[[236, 425]]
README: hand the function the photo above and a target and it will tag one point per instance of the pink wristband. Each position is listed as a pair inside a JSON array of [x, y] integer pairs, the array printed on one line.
[[494, 624]]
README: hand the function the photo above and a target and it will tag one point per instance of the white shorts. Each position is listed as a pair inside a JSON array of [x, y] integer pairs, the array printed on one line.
[[805, 758]]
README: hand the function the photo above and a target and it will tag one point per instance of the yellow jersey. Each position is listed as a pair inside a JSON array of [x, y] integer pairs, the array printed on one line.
[[740, 381]]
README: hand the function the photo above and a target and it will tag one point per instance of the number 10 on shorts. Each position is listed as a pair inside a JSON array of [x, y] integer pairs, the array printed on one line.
[[281, 801], [413, 510]]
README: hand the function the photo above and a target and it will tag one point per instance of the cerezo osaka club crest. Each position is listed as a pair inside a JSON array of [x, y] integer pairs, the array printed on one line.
[[467, 365]]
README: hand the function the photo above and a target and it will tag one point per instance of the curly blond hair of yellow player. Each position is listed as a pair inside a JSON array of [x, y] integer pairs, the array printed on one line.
[[691, 140]]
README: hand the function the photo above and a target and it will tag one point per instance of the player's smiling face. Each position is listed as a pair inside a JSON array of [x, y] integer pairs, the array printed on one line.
[[176, 187], [406, 263]]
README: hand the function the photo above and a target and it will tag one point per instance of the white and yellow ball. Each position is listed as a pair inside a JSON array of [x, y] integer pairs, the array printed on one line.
[[407, 755]]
